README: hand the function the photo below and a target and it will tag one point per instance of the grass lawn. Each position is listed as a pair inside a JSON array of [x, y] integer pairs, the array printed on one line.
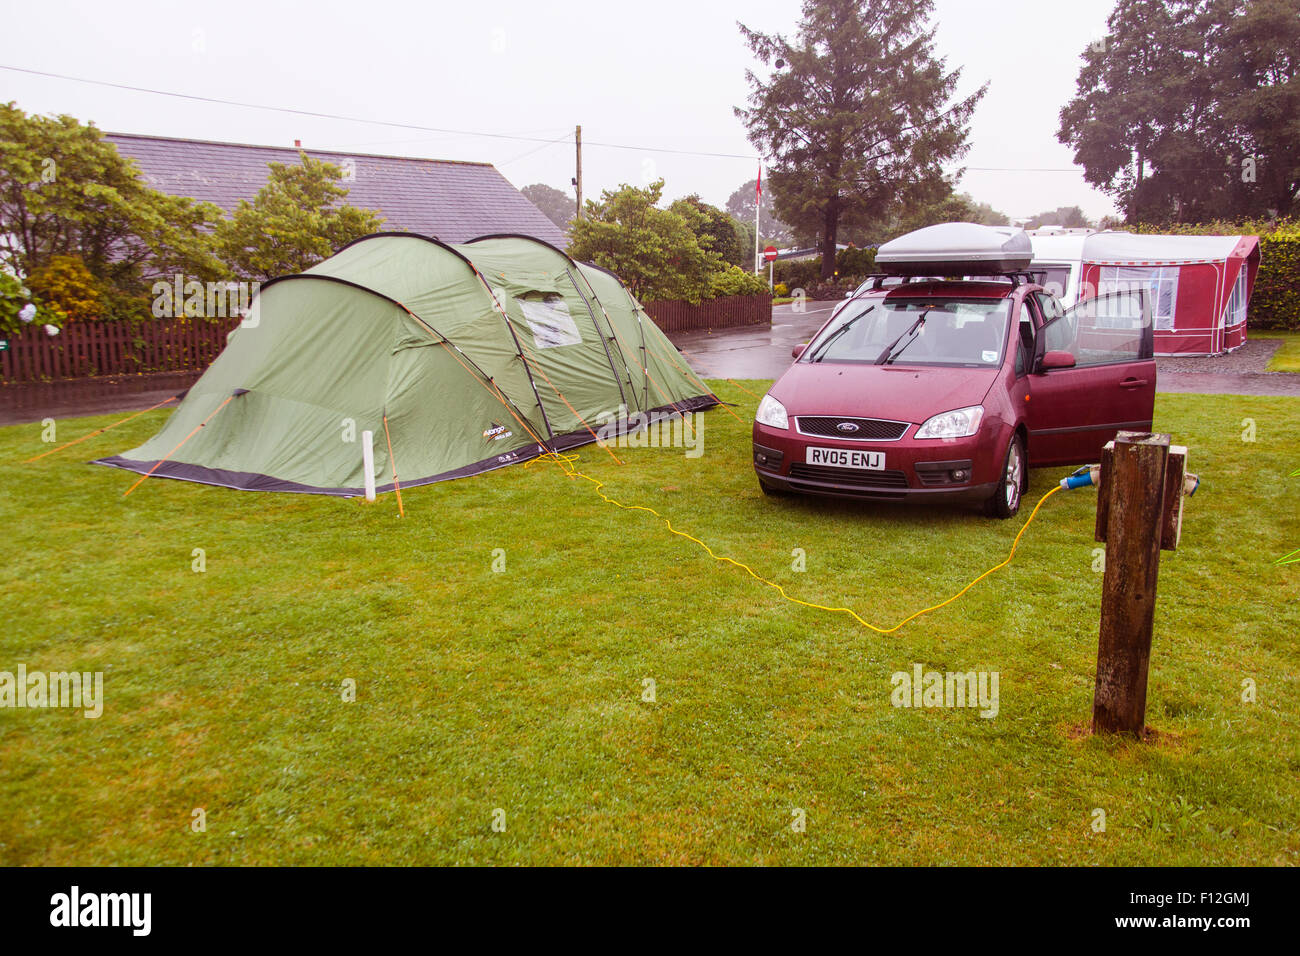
[[1287, 357], [522, 690]]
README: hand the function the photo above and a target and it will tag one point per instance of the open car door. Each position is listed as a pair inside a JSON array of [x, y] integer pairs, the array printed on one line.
[[1094, 373]]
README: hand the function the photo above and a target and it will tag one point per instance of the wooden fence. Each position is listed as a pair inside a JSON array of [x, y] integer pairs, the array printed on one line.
[[84, 350], [675, 315]]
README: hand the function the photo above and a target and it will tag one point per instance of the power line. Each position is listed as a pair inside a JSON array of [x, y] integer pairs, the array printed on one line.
[[1023, 169], [360, 119], [535, 149], [461, 132]]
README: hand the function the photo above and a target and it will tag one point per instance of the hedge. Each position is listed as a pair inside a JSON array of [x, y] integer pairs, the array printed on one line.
[[852, 265], [1275, 302]]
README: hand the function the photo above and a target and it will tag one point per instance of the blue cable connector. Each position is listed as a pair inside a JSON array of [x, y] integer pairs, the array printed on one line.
[[1085, 476]]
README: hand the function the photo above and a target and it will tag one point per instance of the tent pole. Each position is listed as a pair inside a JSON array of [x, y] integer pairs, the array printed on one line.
[[550, 432], [604, 341]]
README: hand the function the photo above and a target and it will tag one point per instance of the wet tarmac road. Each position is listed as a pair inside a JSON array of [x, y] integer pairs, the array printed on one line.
[[756, 351], [95, 396]]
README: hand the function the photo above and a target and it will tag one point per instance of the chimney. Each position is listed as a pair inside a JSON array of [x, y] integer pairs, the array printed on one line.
[[297, 143]]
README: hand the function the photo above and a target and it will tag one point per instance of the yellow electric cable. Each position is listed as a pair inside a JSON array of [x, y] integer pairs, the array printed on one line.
[[566, 464]]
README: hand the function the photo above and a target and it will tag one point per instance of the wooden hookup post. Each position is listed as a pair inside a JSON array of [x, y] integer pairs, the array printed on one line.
[[1139, 512]]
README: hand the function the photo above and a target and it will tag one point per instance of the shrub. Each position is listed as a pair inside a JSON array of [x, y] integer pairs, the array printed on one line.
[[855, 262], [14, 296], [65, 283], [1275, 302], [780, 290], [797, 273], [832, 290], [851, 265], [736, 281]]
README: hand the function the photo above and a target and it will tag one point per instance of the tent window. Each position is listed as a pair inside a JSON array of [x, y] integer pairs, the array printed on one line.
[[1235, 313], [549, 319], [1162, 281]]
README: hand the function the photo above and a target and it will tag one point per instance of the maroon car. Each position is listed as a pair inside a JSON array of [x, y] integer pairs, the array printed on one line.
[[928, 389]]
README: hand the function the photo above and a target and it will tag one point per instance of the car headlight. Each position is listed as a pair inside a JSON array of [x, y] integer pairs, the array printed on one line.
[[958, 423], [772, 413]]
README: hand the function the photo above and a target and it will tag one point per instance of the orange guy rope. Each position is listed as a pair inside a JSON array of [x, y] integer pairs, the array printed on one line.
[[650, 378], [690, 372], [193, 432], [99, 431], [590, 430], [401, 512]]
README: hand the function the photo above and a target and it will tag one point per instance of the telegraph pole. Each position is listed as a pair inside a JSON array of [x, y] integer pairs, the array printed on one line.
[[577, 179]]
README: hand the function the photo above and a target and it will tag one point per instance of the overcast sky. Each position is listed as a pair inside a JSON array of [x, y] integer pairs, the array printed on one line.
[[650, 76]]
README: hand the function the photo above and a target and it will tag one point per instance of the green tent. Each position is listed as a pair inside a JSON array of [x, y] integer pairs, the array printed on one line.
[[460, 358]]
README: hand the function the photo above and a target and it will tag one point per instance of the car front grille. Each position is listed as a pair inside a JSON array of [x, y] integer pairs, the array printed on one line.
[[848, 476], [869, 429]]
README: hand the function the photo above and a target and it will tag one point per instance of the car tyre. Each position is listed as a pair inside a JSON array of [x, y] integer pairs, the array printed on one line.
[[1005, 501]]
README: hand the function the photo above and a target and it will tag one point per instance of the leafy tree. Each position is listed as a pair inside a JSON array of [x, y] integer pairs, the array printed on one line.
[[1258, 93], [982, 212], [717, 230], [741, 206], [66, 192], [953, 207], [555, 205], [1189, 109], [297, 219], [860, 121], [1071, 217], [654, 251]]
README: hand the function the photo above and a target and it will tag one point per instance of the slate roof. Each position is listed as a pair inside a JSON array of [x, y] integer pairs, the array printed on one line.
[[449, 200]]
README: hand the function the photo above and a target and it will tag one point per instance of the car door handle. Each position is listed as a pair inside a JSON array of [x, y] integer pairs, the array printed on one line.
[[1132, 383]]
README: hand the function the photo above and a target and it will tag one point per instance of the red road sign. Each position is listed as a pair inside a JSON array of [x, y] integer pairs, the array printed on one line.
[[769, 253]]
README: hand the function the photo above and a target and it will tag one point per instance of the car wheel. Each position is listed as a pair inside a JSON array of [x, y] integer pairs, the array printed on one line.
[[771, 491], [1005, 501]]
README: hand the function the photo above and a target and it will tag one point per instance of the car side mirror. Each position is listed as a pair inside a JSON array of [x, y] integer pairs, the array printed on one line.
[[798, 350], [848, 295], [1056, 359]]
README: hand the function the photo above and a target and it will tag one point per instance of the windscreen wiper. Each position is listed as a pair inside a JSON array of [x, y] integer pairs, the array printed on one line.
[[826, 343], [888, 355]]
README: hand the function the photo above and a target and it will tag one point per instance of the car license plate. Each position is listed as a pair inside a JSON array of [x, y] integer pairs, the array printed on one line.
[[846, 458]]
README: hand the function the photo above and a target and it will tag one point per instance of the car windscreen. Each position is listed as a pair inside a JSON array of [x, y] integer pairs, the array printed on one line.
[[958, 332]]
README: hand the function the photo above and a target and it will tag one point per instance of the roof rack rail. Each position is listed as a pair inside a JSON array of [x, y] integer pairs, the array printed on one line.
[[1015, 276]]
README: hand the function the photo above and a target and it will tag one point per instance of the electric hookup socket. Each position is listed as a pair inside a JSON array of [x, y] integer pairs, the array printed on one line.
[[1091, 475]]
